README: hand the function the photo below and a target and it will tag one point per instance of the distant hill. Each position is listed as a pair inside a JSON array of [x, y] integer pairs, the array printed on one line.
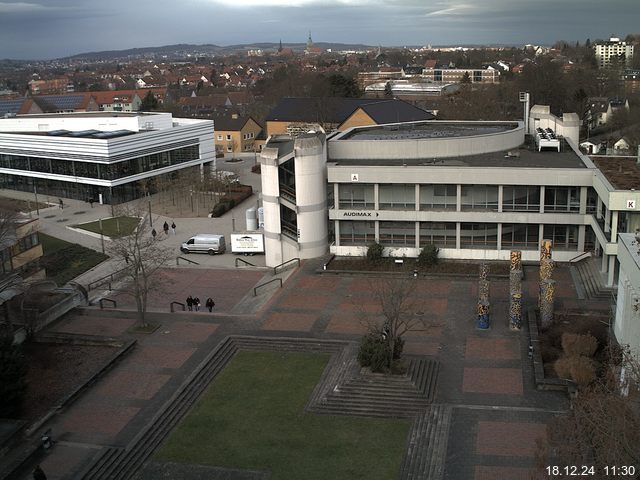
[[182, 50]]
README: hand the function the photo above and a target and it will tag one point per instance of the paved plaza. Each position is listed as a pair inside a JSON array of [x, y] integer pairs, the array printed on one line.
[[486, 377]]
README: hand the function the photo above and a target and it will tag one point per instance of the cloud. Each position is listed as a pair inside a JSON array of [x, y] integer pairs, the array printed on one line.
[[24, 7]]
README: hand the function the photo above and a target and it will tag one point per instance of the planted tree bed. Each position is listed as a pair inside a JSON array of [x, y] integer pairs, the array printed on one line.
[[551, 338], [409, 265]]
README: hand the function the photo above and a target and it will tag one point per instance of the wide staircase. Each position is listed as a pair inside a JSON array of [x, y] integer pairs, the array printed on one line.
[[593, 282]]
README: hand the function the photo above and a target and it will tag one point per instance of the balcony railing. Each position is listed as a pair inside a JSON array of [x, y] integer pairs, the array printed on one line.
[[288, 193]]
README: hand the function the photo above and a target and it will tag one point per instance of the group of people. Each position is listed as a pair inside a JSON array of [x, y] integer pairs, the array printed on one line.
[[193, 303], [165, 227]]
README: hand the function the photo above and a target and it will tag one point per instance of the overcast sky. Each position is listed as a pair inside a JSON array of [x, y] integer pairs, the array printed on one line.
[[43, 29]]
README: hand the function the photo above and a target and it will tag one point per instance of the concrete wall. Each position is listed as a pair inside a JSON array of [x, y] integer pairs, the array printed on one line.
[[627, 322]]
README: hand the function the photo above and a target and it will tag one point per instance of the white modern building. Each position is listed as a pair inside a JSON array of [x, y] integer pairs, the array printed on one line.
[[106, 156], [627, 321], [613, 49], [476, 190]]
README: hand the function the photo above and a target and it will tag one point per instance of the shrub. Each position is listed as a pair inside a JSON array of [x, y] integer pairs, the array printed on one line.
[[579, 368], [428, 255], [574, 344], [219, 209], [373, 352], [374, 253]]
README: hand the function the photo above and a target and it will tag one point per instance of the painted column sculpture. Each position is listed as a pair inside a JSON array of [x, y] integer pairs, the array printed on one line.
[[546, 302], [515, 290], [483, 298], [546, 266]]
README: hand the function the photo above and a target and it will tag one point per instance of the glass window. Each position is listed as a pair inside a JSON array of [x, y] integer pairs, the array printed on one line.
[[397, 196], [357, 233], [520, 198], [440, 234], [479, 197], [520, 235], [398, 234], [62, 167], [564, 237], [353, 196], [19, 163], [38, 164], [478, 235], [438, 197], [562, 199]]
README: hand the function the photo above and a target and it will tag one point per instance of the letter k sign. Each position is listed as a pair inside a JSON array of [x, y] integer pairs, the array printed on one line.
[[631, 204]]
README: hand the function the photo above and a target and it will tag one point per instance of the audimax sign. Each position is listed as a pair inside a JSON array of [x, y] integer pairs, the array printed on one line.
[[359, 214]]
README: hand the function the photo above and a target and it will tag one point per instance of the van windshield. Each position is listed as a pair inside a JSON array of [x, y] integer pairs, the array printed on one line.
[[190, 242]]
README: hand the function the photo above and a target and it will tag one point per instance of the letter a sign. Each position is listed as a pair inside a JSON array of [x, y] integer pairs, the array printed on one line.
[[631, 204], [354, 177]]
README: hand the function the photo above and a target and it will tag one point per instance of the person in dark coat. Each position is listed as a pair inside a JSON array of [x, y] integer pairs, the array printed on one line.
[[38, 473], [190, 303], [154, 233], [173, 227], [196, 303], [165, 227], [210, 304]]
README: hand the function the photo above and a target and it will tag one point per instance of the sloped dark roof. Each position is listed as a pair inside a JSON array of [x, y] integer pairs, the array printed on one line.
[[338, 109], [228, 123], [394, 111], [56, 103]]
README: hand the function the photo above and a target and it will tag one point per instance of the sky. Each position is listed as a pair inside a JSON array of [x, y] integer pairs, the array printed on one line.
[[46, 29]]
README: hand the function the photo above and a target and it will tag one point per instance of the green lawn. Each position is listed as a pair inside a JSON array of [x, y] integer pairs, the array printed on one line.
[[112, 227], [252, 417], [64, 261]]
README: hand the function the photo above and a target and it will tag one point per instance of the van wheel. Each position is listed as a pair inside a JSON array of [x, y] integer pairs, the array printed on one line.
[[184, 250], [212, 252]]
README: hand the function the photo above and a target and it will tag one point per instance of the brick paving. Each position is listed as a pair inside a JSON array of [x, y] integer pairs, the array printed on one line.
[[486, 376]]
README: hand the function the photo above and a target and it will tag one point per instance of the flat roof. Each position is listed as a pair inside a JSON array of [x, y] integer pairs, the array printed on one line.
[[426, 130], [623, 173], [527, 156], [92, 133]]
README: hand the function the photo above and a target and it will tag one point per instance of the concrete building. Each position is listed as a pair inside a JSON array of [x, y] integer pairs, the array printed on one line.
[[236, 134], [474, 189], [626, 326], [21, 251], [109, 157], [614, 49]]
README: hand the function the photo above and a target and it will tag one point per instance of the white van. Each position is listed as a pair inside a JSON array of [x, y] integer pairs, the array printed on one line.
[[204, 243]]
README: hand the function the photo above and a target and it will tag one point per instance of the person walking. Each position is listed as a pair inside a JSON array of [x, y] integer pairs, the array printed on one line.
[[196, 303], [165, 227], [190, 303], [154, 233], [210, 304], [38, 473], [60, 203], [173, 227]]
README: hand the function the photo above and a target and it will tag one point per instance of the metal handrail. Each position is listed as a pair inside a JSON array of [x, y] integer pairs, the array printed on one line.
[[583, 254], [176, 303], [243, 261], [100, 281], [255, 289], [275, 269], [107, 300], [182, 258]]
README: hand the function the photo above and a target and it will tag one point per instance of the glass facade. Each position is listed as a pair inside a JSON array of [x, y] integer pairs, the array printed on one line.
[[101, 171], [564, 237], [438, 197], [479, 197], [562, 199], [520, 198], [479, 235], [398, 234], [357, 233], [397, 196], [353, 196], [523, 236], [441, 234]]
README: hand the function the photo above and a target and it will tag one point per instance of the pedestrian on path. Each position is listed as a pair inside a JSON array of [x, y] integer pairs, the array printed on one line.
[[165, 227], [38, 473], [190, 303], [196, 303], [126, 257], [210, 304], [60, 203], [91, 202], [173, 227], [154, 233]]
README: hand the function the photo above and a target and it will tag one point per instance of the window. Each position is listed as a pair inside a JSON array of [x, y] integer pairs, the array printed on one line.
[[478, 235], [398, 234], [564, 237], [353, 196], [523, 236], [438, 197], [520, 199], [561, 199], [397, 197], [479, 197], [357, 233], [228, 137], [219, 137], [441, 234]]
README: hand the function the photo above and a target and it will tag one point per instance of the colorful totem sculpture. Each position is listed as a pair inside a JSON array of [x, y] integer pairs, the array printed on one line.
[[515, 290], [546, 303], [483, 298]]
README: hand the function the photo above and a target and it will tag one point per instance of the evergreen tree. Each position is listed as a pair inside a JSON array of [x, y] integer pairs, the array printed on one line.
[[149, 102]]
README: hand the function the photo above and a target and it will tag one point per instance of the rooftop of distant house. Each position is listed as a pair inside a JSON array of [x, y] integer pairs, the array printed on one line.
[[622, 173]]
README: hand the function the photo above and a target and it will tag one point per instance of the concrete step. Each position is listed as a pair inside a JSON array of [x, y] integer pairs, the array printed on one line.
[[592, 280], [427, 445]]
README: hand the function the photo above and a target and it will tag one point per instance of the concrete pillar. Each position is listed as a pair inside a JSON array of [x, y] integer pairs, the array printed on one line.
[[542, 199], [417, 197], [376, 230], [614, 226], [603, 265], [500, 198], [458, 235], [499, 239], [336, 196], [376, 203], [540, 234], [612, 270], [582, 232], [458, 198], [546, 305], [336, 231], [417, 235], [598, 208], [607, 221], [583, 200]]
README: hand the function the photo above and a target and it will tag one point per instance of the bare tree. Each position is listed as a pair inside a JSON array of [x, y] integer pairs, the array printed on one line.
[[602, 428], [403, 311], [143, 255]]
